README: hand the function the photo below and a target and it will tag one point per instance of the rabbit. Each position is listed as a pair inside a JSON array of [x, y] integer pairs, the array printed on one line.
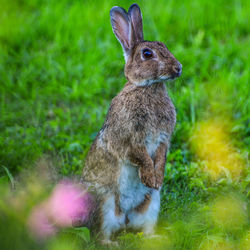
[[125, 164]]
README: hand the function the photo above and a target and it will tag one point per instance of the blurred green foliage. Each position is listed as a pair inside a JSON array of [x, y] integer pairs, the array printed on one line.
[[60, 66]]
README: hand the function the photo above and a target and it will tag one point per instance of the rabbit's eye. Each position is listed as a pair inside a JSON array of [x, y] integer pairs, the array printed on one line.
[[147, 53]]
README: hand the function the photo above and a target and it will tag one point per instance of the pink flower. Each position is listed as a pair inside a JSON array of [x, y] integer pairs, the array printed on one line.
[[67, 204], [39, 223]]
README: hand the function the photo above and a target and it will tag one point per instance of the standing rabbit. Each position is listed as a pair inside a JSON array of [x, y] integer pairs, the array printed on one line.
[[126, 162]]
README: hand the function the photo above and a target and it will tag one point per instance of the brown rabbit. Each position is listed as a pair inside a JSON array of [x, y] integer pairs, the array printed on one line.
[[125, 165]]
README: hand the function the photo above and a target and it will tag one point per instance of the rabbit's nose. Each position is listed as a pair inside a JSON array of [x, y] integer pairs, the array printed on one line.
[[177, 69]]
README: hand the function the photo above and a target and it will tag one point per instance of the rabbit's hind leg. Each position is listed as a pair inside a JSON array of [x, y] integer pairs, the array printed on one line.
[[112, 217], [145, 215]]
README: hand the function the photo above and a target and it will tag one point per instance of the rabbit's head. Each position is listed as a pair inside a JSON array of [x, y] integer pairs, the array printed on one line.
[[146, 62]]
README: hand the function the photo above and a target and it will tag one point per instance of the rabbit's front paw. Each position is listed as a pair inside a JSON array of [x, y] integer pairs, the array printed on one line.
[[159, 179], [147, 176], [159, 174]]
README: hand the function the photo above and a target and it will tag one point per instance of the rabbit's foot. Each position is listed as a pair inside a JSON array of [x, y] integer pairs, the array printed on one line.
[[154, 236], [109, 242], [148, 231]]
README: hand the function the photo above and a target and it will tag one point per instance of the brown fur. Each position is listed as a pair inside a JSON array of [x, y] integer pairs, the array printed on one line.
[[159, 162], [118, 210], [134, 113], [144, 205]]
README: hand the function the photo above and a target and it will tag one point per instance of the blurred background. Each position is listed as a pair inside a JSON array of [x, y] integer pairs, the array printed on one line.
[[60, 66]]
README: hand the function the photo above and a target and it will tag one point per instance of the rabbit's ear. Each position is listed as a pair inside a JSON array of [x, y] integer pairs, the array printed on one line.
[[135, 16], [121, 27]]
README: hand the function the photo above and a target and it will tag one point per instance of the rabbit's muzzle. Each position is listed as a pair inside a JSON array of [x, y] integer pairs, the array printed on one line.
[[176, 70]]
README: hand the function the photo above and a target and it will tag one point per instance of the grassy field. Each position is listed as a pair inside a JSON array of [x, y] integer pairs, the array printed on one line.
[[60, 66]]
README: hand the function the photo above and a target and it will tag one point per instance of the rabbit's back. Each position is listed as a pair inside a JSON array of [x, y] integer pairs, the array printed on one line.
[[137, 115]]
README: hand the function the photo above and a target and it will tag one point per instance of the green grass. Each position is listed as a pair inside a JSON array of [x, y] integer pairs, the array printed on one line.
[[60, 66]]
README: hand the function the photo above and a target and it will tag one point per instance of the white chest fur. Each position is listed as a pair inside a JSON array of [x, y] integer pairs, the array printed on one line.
[[153, 141], [132, 191]]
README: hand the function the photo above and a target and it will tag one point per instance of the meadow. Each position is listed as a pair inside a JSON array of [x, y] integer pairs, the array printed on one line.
[[60, 67]]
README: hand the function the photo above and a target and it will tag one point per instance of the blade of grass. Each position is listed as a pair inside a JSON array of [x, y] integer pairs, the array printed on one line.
[[12, 181]]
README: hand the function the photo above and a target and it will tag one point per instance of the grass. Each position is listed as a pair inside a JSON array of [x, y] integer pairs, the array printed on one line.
[[60, 66]]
